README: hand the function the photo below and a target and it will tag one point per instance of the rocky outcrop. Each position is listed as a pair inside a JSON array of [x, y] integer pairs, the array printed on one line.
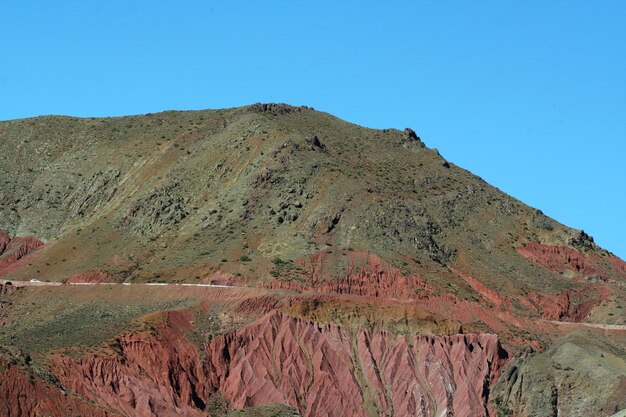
[[406, 223], [570, 305], [276, 108], [94, 192], [583, 241], [162, 208]]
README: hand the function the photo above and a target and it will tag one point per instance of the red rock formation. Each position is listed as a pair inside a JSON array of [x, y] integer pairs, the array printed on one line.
[[23, 395], [571, 305], [563, 259], [14, 249], [256, 305], [373, 280], [156, 376], [553, 307], [324, 371], [444, 373]]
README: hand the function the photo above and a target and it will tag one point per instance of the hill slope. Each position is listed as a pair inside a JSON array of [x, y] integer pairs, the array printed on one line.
[[339, 223]]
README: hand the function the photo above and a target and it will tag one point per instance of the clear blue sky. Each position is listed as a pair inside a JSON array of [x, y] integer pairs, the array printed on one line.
[[531, 96]]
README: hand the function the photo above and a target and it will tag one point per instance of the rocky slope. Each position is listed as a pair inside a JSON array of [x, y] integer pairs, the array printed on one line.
[[563, 379], [265, 181], [380, 278]]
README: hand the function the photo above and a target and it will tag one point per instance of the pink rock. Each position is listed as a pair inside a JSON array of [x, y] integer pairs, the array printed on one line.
[[323, 370]]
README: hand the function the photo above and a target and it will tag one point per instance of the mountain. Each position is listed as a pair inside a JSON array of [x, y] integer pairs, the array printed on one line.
[[363, 275]]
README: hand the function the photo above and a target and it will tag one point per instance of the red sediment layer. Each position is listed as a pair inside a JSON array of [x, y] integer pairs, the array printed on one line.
[[375, 281], [256, 305], [571, 305], [553, 307]]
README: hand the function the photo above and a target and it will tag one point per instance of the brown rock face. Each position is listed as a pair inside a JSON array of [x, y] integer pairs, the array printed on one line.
[[320, 370], [326, 371]]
